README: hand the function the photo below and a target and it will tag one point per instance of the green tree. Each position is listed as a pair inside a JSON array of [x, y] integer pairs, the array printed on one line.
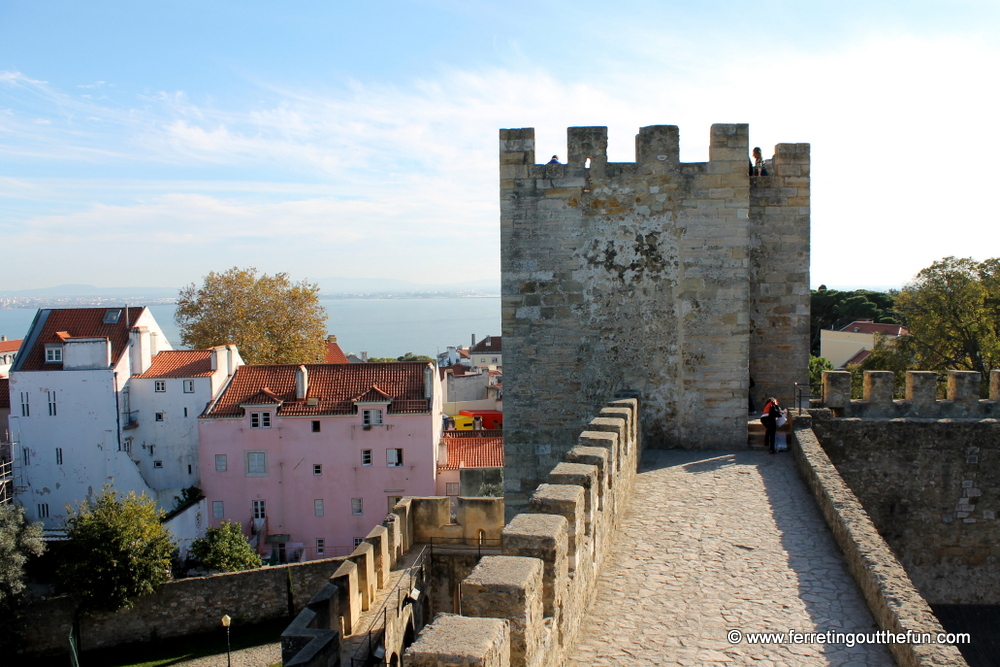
[[118, 551], [225, 549], [19, 541], [952, 310], [271, 319], [816, 367], [409, 356]]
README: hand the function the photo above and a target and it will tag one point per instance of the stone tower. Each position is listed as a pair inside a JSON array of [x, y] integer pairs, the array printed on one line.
[[674, 280]]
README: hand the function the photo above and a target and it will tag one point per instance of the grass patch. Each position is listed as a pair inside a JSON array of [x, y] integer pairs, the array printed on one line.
[[165, 652]]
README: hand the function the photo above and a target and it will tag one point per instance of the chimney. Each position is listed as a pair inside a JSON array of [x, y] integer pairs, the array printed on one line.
[[364, 356], [301, 383], [154, 343], [3, 338], [473, 341], [214, 357], [331, 339], [429, 382], [140, 352]]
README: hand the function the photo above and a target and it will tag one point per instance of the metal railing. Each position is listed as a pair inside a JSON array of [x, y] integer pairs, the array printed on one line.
[[479, 543], [366, 653], [803, 392]]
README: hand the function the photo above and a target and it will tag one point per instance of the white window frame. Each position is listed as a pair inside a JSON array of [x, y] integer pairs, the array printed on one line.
[[320, 546], [221, 463], [59, 456], [260, 420], [157, 464], [25, 404], [318, 507], [259, 508], [357, 506], [358, 541], [452, 488], [43, 510], [218, 509], [52, 403], [188, 386], [53, 354], [317, 469], [255, 461], [371, 416], [159, 386], [366, 457], [159, 416], [394, 457]]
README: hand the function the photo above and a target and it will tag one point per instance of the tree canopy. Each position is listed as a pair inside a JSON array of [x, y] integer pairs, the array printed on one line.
[[19, 540], [409, 356], [225, 549], [269, 318], [118, 550], [952, 309]]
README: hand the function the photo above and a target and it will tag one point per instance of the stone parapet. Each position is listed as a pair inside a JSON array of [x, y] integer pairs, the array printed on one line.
[[459, 641], [921, 402], [894, 601]]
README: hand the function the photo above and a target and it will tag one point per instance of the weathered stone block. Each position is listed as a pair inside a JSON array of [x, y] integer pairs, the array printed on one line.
[[963, 386], [459, 641], [921, 387], [542, 536], [511, 588], [566, 500], [878, 387], [836, 389]]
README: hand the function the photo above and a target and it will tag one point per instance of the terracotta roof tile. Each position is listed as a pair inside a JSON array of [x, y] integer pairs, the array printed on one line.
[[10, 345], [334, 353], [332, 387], [488, 345], [857, 358], [869, 327], [180, 364], [477, 451], [63, 323]]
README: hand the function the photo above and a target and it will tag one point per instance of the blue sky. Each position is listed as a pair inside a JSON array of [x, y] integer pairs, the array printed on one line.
[[150, 143]]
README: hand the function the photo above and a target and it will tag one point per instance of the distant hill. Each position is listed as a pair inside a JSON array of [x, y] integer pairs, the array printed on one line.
[[327, 286], [90, 290]]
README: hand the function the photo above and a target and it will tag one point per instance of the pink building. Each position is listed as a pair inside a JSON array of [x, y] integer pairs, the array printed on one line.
[[309, 458]]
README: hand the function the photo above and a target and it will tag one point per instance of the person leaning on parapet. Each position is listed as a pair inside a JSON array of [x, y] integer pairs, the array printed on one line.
[[758, 168], [554, 160], [769, 418]]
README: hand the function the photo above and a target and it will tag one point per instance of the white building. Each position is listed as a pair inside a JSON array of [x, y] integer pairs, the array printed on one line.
[[84, 401], [161, 409]]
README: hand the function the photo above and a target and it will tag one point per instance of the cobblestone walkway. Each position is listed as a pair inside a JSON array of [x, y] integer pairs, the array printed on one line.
[[720, 541]]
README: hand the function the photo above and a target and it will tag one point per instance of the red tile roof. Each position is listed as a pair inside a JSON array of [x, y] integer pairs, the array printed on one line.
[[4, 393], [334, 354], [869, 327], [477, 451], [488, 345], [335, 388], [62, 323], [857, 358], [9, 345], [180, 364]]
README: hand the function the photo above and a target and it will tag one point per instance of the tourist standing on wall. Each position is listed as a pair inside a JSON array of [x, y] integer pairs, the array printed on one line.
[[769, 418]]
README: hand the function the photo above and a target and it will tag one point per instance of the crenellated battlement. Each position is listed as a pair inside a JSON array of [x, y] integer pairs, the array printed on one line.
[[921, 402]]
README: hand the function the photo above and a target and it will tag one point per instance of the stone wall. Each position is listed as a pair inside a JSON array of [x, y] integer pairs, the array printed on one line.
[[524, 607], [673, 280], [894, 601], [933, 490], [248, 597]]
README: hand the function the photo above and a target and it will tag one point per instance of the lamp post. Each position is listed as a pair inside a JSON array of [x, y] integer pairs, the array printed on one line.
[[229, 650]]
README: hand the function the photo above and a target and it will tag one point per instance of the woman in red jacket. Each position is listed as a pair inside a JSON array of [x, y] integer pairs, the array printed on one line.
[[769, 418]]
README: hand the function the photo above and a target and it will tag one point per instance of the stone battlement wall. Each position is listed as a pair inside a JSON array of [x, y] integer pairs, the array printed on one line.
[[921, 400], [676, 280], [523, 608]]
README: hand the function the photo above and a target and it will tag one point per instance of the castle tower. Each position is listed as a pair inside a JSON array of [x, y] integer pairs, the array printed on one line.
[[675, 280]]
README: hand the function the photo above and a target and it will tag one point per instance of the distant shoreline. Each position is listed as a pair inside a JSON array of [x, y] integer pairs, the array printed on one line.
[[16, 302]]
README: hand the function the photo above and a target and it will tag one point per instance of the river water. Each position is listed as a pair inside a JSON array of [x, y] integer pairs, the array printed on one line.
[[381, 327]]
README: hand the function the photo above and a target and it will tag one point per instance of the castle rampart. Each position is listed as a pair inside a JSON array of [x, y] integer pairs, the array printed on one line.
[[676, 280]]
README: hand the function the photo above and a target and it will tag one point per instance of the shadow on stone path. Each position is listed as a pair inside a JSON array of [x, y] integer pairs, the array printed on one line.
[[720, 541]]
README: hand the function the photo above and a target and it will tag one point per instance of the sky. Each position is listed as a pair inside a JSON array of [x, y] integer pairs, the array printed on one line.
[[149, 143]]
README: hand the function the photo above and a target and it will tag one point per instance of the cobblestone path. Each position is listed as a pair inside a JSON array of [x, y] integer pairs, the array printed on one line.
[[720, 541]]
